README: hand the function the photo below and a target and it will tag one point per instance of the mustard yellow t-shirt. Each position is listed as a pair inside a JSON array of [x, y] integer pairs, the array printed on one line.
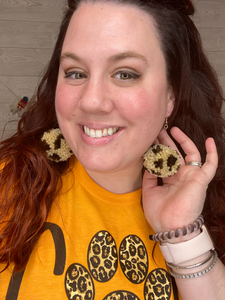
[[95, 245]]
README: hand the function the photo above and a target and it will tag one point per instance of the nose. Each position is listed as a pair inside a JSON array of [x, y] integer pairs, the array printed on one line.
[[95, 97]]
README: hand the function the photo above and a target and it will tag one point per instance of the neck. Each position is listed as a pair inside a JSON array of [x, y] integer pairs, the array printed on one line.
[[122, 182]]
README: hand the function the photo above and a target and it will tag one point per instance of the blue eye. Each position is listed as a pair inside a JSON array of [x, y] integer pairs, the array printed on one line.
[[75, 75], [125, 75]]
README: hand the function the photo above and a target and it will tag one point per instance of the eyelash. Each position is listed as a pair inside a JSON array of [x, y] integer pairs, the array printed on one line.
[[69, 74], [131, 75]]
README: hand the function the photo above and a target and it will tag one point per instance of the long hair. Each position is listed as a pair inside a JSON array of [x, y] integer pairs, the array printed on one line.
[[29, 183]]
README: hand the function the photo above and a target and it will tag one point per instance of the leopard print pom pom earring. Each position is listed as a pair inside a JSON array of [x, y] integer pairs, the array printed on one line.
[[160, 160], [56, 146]]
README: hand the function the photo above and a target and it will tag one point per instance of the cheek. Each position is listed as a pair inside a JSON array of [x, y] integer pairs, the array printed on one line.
[[63, 101], [144, 106]]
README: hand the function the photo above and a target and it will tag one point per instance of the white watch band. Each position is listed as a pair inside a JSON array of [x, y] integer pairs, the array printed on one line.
[[182, 252]]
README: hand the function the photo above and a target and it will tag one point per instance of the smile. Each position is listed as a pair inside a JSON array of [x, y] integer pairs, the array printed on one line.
[[99, 133]]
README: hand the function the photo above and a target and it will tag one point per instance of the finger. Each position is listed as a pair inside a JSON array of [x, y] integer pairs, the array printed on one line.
[[165, 139], [149, 180], [190, 149], [211, 164]]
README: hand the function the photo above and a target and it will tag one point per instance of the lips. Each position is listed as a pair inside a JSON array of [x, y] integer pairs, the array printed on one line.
[[99, 133]]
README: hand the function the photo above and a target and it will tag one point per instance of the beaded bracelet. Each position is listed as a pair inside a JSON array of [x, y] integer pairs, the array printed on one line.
[[168, 235], [197, 274]]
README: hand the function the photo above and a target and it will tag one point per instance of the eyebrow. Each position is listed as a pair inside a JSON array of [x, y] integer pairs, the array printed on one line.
[[117, 57], [69, 55], [128, 54]]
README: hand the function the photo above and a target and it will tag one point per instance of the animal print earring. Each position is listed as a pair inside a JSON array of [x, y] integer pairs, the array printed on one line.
[[160, 160], [56, 146]]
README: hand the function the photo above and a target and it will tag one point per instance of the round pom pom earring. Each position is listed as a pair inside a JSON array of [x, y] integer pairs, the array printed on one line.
[[161, 161], [56, 146]]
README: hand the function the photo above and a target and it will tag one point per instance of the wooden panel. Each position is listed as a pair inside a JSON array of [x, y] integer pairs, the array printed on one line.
[[9, 129], [23, 62], [5, 94], [213, 38], [28, 34], [8, 121], [11, 89], [5, 113], [18, 86], [32, 10], [210, 14], [218, 61], [222, 82], [208, 1], [6, 134], [210, 21]]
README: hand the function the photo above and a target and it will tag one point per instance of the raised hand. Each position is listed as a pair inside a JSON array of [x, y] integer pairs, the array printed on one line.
[[179, 201]]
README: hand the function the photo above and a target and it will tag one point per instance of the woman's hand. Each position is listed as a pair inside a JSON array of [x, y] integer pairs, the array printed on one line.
[[179, 201]]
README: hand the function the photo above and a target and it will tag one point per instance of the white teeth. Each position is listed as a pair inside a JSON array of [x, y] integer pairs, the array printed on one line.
[[110, 131], [92, 133], [100, 133], [105, 132]]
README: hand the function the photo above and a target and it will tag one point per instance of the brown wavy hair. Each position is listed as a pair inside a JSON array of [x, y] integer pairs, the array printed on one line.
[[29, 182]]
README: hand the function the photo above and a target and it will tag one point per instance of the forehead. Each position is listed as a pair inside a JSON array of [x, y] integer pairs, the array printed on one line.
[[104, 22]]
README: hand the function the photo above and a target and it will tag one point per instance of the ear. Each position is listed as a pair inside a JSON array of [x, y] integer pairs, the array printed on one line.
[[170, 101]]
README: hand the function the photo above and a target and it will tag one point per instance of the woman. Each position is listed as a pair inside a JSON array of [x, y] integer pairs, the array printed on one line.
[[120, 74]]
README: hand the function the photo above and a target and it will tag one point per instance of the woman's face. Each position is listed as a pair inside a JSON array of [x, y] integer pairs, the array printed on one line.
[[112, 94]]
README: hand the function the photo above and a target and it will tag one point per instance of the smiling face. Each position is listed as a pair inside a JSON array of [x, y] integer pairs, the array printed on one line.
[[112, 94]]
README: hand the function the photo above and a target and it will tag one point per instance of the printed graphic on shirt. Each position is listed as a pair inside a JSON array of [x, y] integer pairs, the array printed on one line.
[[121, 295], [60, 259], [78, 283], [102, 256], [133, 259], [157, 285], [102, 259]]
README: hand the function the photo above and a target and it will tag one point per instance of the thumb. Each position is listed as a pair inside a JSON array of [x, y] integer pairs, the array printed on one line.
[[149, 180]]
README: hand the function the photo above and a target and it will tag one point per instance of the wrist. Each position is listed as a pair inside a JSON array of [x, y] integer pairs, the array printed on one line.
[[181, 239], [176, 235], [184, 251]]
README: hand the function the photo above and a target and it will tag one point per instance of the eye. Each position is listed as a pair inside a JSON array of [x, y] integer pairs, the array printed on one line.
[[75, 75], [126, 75]]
